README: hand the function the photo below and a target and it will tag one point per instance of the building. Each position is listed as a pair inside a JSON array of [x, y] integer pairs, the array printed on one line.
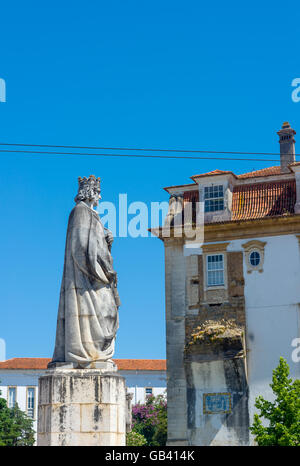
[[19, 380], [232, 295]]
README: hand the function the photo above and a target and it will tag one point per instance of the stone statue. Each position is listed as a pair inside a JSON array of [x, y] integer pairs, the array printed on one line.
[[88, 308]]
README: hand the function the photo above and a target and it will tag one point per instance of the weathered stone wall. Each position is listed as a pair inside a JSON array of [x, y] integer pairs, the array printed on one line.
[[81, 407], [264, 304], [175, 273], [217, 377], [215, 356], [212, 362], [232, 309]]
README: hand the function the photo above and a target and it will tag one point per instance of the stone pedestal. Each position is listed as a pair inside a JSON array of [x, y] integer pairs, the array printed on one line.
[[82, 407]]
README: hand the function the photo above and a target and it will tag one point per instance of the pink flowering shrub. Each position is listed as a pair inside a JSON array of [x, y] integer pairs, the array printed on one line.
[[150, 420]]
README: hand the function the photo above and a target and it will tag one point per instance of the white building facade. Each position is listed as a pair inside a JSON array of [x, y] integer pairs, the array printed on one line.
[[19, 380], [232, 296]]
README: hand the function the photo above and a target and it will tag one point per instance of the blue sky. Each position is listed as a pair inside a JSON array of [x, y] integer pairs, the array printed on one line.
[[167, 74]]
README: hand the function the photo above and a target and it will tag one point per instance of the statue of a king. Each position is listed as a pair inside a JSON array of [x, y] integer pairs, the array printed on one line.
[[88, 308]]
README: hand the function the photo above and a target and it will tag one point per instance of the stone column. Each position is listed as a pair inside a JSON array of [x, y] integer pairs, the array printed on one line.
[[175, 328], [82, 407]]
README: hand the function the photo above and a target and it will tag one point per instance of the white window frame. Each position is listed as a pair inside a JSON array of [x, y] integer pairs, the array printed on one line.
[[34, 401], [8, 390], [214, 198], [218, 285], [146, 394]]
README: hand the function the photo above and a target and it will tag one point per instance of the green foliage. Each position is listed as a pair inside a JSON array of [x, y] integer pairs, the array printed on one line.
[[15, 426], [150, 420], [134, 439], [283, 415], [160, 434]]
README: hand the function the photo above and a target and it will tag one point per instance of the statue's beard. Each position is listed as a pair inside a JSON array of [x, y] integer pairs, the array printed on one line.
[[93, 200]]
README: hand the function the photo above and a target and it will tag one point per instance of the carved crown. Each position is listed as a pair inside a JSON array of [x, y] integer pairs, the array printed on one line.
[[91, 182]]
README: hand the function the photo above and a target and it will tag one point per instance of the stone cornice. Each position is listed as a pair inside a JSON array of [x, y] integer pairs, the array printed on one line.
[[243, 229]]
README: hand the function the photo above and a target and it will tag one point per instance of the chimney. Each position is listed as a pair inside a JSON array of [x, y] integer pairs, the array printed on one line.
[[287, 146]]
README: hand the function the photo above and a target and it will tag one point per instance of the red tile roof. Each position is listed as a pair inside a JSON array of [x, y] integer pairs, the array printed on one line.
[[263, 200], [213, 173], [123, 364], [269, 171], [257, 200], [25, 363], [264, 172], [141, 364]]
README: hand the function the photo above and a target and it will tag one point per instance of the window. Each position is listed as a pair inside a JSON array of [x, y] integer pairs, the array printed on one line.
[[148, 391], [254, 258], [215, 270], [213, 198], [30, 401], [254, 255], [12, 396]]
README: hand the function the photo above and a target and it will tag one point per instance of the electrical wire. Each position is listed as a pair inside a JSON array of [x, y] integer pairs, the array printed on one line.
[[190, 151], [135, 155]]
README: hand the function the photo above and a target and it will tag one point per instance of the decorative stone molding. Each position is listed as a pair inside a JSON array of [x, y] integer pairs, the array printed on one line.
[[214, 248], [233, 230], [254, 246]]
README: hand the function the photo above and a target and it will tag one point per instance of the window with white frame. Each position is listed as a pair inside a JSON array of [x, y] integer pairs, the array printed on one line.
[[12, 397], [30, 401], [213, 198], [148, 391], [215, 269]]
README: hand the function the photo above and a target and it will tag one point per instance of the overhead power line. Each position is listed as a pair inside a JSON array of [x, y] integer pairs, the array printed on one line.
[[143, 149], [136, 155]]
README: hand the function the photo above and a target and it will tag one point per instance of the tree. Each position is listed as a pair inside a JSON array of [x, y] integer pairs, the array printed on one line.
[[134, 439], [150, 420], [15, 426], [283, 414]]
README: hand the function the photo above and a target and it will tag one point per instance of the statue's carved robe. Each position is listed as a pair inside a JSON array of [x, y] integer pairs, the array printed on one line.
[[88, 308]]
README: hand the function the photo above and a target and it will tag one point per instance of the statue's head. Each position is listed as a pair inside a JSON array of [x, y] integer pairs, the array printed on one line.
[[88, 190]]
